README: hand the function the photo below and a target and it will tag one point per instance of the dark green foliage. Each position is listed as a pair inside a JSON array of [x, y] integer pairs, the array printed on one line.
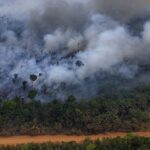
[[32, 94], [74, 116], [33, 77], [127, 143], [120, 111]]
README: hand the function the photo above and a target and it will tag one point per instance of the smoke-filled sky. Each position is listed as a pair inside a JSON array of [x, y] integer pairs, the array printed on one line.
[[68, 44]]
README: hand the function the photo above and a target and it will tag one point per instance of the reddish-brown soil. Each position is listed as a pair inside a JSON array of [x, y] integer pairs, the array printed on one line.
[[14, 140]]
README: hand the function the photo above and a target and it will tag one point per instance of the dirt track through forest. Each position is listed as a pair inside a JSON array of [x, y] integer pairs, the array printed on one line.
[[14, 140]]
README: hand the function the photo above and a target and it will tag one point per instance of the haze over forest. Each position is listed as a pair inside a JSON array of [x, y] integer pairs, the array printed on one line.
[[60, 48]]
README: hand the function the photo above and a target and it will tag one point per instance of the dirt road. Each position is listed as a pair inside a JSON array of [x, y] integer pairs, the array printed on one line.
[[14, 140]]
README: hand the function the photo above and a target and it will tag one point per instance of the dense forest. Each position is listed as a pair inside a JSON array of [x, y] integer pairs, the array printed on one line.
[[115, 110], [128, 143]]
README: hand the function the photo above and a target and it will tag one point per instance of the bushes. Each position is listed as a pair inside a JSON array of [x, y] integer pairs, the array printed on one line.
[[106, 113], [72, 116]]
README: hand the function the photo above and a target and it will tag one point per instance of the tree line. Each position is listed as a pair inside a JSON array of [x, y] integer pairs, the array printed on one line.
[[128, 111]]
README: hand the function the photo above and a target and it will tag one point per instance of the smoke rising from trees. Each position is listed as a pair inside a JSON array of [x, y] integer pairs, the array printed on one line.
[[69, 45]]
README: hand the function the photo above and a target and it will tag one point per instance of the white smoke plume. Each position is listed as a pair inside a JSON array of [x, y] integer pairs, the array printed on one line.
[[69, 45]]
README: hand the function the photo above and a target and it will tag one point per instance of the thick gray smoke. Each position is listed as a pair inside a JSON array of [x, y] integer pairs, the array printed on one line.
[[70, 45], [121, 9]]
